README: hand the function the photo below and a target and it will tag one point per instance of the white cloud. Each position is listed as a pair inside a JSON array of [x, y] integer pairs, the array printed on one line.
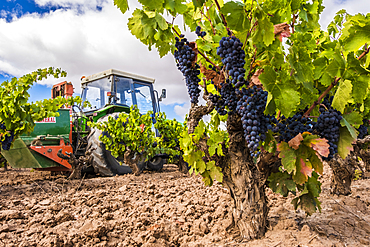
[[351, 6], [70, 3], [84, 44], [182, 110]]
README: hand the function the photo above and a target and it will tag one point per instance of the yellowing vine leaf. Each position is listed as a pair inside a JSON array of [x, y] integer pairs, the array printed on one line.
[[321, 146]]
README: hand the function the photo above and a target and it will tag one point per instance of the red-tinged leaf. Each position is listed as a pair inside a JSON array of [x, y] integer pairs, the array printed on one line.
[[299, 177], [142, 126], [282, 146], [288, 157], [282, 30], [321, 146], [306, 168], [296, 141]]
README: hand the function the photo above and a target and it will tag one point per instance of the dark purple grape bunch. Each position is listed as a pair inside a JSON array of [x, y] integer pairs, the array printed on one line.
[[326, 103], [219, 103], [185, 57], [288, 128], [362, 130], [233, 57], [228, 94], [327, 126], [199, 32], [251, 107], [8, 138]]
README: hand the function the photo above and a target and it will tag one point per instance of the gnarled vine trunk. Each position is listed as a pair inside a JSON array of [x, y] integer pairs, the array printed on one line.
[[343, 174], [363, 151], [246, 185], [344, 170], [244, 179]]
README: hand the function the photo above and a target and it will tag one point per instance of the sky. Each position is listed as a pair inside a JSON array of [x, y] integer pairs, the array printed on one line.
[[84, 37]]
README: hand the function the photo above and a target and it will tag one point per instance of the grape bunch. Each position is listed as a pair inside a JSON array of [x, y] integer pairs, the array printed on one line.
[[185, 57], [289, 128], [327, 126], [229, 96], [219, 103], [326, 103], [199, 33], [362, 132], [233, 55], [8, 138], [250, 107]]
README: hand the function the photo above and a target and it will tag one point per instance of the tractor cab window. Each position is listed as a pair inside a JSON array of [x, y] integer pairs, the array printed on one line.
[[96, 93], [123, 90], [143, 98]]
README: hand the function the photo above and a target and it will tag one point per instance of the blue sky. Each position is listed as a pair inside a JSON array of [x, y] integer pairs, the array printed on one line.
[[85, 37]]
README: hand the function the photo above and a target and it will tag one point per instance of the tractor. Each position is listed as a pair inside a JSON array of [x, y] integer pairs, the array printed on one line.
[[109, 92]]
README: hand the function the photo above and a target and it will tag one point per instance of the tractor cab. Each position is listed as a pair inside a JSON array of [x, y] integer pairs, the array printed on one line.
[[116, 91]]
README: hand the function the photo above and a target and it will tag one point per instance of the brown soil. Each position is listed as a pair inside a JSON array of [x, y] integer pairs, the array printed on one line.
[[165, 208]]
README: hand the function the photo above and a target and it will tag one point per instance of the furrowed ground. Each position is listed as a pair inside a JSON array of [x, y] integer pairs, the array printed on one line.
[[165, 208]]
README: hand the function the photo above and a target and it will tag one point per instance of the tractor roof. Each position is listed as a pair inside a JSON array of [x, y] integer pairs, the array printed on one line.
[[116, 72]]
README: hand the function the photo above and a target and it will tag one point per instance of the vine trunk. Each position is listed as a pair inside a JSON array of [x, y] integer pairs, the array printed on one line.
[[246, 185]]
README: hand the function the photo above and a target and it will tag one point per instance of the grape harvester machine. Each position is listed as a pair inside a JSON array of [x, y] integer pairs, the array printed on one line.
[[109, 92]]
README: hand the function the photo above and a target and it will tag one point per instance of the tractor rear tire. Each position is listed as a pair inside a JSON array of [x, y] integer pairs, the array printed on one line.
[[156, 163], [102, 160]]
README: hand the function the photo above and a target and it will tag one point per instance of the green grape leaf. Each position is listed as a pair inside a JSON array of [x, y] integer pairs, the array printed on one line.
[[288, 157], [134, 24], [236, 17], [307, 200], [342, 95], [207, 180], [198, 3], [162, 24], [215, 172], [360, 88], [356, 32], [351, 130], [265, 29], [351, 119], [153, 5], [282, 183], [345, 141], [199, 130], [122, 5], [270, 144], [285, 96], [213, 142]]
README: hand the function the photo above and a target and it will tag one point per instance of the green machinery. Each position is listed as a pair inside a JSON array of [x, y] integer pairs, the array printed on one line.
[[109, 92]]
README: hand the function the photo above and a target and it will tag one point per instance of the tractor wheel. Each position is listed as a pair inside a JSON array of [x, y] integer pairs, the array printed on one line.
[[102, 160], [156, 163]]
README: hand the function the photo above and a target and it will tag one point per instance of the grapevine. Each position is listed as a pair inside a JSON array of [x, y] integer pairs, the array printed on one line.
[[14, 102], [269, 71]]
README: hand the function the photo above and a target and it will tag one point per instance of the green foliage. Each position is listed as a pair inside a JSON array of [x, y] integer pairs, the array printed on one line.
[[216, 140], [18, 115], [301, 163], [170, 131], [358, 175], [309, 192], [133, 132], [77, 101]]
